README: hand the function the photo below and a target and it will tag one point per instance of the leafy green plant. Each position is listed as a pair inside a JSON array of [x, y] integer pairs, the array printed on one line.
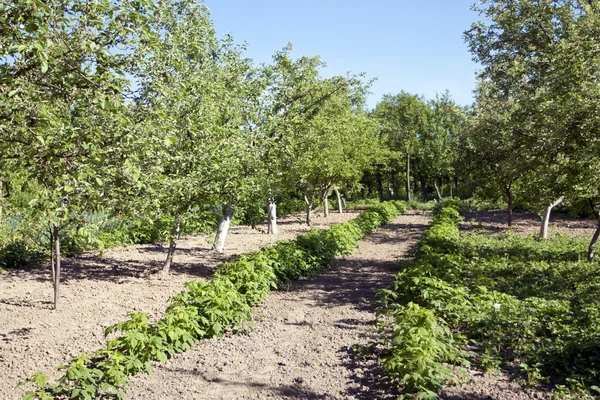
[[419, 344]]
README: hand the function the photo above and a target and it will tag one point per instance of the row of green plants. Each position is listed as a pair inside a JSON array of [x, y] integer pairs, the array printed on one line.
[[526, 305], [206, 309]]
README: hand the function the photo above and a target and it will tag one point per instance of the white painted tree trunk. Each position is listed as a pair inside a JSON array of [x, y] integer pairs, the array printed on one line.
[[339, 201], [437, 189], [546, 217], [172, 246], [226, 216], [272, 214]]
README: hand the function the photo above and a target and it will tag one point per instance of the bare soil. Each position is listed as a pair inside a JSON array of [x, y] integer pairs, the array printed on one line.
[[305, 340], [99, 290]]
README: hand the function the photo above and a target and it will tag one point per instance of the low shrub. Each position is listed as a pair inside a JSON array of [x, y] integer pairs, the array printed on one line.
[[418, 347]]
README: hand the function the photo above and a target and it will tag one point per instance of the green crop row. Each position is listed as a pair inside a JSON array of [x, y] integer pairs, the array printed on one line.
[[206, 309], [525, 304]]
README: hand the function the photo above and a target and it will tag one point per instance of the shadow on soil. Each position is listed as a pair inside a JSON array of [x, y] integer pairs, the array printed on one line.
[[495, 221], [102, 268], [366, 374], [294, 391]]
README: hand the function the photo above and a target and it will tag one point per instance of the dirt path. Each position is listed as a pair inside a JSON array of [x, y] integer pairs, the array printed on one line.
[[300, 346], [100, 291]]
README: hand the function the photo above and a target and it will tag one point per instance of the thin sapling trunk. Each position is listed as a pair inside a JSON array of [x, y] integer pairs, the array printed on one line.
[[226, 216], [57, 270], [172, 246], [592, 246], [53, 270], [408, 191], [380, 186], [509, 208], [546, 217]]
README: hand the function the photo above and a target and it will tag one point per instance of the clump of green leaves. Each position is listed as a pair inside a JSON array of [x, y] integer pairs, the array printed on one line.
[[418, 346]]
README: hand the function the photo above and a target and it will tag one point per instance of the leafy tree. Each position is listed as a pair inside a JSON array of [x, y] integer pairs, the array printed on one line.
[[193, 103], [544, 55], [403, 118], [438, 146], [62, 115]]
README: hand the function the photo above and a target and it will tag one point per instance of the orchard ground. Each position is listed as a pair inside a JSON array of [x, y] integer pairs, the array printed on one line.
[[302, 343], [99, 290]]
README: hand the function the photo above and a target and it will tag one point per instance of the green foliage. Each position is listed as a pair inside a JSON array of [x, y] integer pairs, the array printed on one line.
[[531, 300], [400, 205], [204, 310], [419, 344], [420, 205], [20, 246]]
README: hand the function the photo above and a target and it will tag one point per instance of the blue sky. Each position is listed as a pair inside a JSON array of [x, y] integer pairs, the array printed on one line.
[[415, 46]]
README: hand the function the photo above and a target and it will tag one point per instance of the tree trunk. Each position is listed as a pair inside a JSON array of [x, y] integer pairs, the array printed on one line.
[[326, 201], [379, 186], [456, 186], [339, 201], [437, 189], [546, 217], [308, 208], [451, 194], [1, 198], [509, 208], [272, 214], [226, 216], [408, 191], [52, 269], [172, 246], [592, 246], [57, 270]]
